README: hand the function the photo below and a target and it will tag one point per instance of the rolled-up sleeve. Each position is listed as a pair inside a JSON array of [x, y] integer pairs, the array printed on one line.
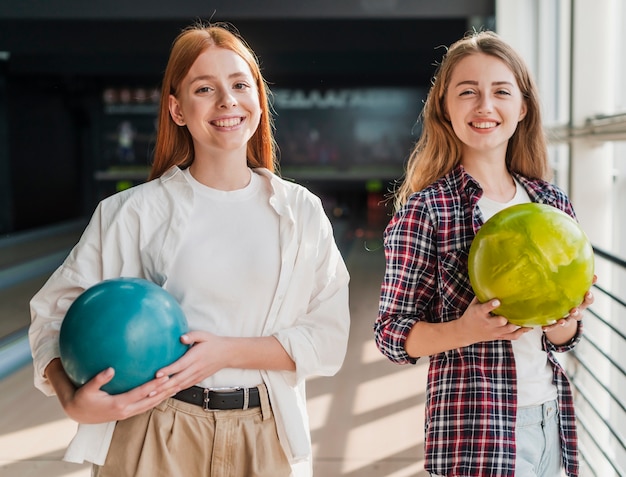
[[317, 336], [50, 304], [571, 344], [409, 283]]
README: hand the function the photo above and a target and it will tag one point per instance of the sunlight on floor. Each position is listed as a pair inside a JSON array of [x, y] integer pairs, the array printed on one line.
[[32, 442], [385, 390], [383, 438], [370, 353], [319, 408], [83, 472], [410, 471]]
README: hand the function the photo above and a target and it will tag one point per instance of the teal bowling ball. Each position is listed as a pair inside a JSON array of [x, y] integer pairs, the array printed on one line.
[[535, 259], [129, 324]]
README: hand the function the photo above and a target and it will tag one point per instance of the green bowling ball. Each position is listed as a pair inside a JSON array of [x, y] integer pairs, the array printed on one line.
[[535, 259]]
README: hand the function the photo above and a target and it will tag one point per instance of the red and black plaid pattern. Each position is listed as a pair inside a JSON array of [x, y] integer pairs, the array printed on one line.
[[471, 394]]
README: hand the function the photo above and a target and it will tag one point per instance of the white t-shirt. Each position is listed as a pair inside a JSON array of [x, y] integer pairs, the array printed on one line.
[[534, 374], [225, 285]]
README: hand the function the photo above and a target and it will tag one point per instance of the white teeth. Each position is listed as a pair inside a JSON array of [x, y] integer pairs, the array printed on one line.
[[485, 125], [227, 123]]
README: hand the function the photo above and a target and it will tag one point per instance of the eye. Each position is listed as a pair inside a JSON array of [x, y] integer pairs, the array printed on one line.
[[241, 85], [503, 92], [204, 89], [467, 92]]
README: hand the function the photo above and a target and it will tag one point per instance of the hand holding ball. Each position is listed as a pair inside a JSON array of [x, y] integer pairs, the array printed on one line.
[[129, 324], [535, 259]]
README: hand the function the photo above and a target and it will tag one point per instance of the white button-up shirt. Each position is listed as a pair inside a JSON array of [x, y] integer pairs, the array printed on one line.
[[137, 232]]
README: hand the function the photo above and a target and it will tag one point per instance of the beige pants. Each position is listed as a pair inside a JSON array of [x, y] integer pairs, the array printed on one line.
[[180, 439]]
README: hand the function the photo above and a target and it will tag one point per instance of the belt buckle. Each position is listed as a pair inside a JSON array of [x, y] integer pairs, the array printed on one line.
[[205, 400], [246, 396]]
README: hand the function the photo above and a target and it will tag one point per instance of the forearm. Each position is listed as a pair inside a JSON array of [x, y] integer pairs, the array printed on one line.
[[477, 324], [258, 353], [59, 380], [561, 337], [426, 339], [562, 333]]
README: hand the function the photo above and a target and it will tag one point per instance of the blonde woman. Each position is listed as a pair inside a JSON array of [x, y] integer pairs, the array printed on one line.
[[498, 402]]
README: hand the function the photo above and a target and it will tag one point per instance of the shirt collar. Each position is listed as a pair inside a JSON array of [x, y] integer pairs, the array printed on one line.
[[461, 180], [537, 191]]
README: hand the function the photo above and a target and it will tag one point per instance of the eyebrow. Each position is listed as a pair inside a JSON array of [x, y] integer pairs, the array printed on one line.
[[474, 83], [237, 74]]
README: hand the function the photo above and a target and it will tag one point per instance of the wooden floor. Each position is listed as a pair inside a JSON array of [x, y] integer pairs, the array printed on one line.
[[366, 421]]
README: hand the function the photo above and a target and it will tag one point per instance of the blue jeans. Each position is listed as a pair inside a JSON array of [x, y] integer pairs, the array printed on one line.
[[538, 442]]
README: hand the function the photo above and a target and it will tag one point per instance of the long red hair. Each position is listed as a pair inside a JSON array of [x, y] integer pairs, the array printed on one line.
[[174, 145]]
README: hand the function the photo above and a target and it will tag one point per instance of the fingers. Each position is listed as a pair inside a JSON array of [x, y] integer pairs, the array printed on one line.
[[482, 324], [193, 337], [99, 380], [172, 369], [548, 328], [576, 313], [92, 405], [491, 305], [142, 398], [183, 373], [489, 308], [506, 330], [149, 389], [190, 338], [517, 332], [563, 322]]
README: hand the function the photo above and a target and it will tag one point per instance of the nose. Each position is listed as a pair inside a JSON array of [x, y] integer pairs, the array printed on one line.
[[484, 104], [227, 99]]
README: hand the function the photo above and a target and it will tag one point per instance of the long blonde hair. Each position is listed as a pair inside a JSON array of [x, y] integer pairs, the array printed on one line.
[[174, 145], [438, 150]]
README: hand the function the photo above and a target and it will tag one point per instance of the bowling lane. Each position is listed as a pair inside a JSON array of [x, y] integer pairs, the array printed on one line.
[[24, 247], [34, 431], [26, 261], [14, 311]]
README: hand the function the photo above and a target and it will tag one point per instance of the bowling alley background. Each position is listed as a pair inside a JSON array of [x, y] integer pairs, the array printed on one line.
[[80, 99], [78, 86]]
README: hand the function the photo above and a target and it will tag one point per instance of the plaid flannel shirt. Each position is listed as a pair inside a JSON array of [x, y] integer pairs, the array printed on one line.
[[471, 398]]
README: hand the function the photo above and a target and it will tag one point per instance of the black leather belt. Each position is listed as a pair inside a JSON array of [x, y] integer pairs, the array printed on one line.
[[220, 399]]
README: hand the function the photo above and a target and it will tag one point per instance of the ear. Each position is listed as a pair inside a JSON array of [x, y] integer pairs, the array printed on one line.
[[523, 111], [176, 111]]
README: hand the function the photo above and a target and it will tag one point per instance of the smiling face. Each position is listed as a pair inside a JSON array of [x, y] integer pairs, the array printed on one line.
[[484, 105], [218, 102]]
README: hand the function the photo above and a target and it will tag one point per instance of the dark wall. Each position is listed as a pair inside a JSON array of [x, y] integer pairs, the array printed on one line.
[[311, 51], [43, 147], [6, 195]]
